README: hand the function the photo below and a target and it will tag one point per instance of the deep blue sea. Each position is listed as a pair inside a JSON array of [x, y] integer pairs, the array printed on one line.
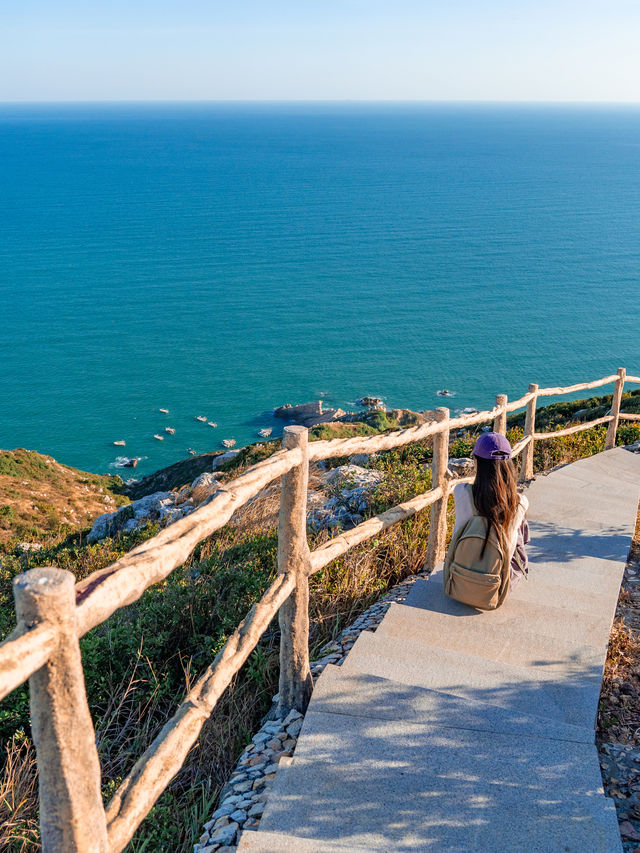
[[221, 260]]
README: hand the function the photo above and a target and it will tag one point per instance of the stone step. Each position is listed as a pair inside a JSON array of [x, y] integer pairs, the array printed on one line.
[[482, 640], [566, 545], [514, 617], [586, 509], [356, 694], [588, 575], [616, 464], [277, 842], [615, 469], [597, 510], [542, 588], [548, 691], [611, 489], [389, 785]]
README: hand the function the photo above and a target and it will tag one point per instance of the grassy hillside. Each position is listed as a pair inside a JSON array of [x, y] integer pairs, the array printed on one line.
[[43, 501], [138, 664]]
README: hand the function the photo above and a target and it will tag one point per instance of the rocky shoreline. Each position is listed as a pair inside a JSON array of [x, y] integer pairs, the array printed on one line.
[[337, 498], [313, 414]]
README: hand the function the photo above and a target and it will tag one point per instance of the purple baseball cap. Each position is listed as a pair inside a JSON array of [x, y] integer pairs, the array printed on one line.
[[492, 445]]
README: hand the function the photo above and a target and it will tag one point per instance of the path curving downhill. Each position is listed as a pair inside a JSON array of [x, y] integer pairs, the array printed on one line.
[[449, 729]]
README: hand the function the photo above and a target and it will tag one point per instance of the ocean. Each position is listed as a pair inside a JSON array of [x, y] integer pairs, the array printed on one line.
[[223, 259]]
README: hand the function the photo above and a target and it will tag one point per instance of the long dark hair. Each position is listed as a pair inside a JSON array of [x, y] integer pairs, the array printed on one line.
[[495, 496]]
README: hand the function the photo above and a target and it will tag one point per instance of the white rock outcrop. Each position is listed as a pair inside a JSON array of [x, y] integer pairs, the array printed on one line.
[[161, 508], [219, 460], [350, 488], [464, 467], [203, 487]]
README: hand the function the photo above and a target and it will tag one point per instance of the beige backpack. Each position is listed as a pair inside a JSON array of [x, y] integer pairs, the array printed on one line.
[[479, 580]]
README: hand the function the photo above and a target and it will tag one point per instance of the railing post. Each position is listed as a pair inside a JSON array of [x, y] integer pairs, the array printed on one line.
[[293, 556], [72, 818], [526, 470], [612, 426], [439, 466], [500, 421]]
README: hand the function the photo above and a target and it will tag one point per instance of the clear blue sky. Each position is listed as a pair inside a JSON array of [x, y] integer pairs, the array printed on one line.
[[550, 50]]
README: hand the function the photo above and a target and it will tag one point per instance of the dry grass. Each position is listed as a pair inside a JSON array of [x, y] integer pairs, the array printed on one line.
[[619, 708], [41, 500], [19, 831]]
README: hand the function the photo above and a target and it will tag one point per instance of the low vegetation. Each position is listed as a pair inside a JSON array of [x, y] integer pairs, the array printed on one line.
[[619, 707], [43, 501], [139, 664]]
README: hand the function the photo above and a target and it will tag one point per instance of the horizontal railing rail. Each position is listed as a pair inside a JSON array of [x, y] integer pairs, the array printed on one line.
[[52, 614], [559, 433], [581, 386]]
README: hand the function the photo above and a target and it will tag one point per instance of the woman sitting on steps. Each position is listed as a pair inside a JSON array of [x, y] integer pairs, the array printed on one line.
[[486, 556]]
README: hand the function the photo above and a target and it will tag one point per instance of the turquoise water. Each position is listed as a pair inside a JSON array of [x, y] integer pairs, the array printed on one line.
[[225, 259]]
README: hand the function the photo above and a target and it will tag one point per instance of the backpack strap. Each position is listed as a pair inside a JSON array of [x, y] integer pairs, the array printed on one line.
[[505, 584]]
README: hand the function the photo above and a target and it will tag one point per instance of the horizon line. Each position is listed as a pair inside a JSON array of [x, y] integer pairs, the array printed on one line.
[[301, 101]]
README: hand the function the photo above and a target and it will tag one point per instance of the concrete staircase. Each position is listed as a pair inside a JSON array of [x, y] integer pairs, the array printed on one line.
[[449, 729]]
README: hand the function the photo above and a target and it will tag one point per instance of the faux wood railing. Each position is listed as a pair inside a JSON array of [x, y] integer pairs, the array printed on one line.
[[53, 613]]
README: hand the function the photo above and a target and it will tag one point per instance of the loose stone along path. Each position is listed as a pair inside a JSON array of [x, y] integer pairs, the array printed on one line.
[[453, 730]]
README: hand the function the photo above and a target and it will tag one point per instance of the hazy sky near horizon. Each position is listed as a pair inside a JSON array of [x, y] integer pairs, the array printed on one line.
[[511, 50]]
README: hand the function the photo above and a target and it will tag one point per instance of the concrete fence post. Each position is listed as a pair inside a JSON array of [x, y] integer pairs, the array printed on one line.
[[526, 471], [294, 556], [612, 426], [500, 421], [439, 468], [72, 818]]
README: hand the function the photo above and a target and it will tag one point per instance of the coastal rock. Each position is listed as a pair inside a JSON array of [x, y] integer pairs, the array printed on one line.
[[203, 487], [158, 507], [326, 417], [308, 414], [303, 410], [219, 460], [353, 477], [225, 835], [464, 467], [407, 417], [361, 458], [370, 403], [349, 487]]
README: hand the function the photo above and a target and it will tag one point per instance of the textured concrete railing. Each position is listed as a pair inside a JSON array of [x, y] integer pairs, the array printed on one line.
[[52, 615]]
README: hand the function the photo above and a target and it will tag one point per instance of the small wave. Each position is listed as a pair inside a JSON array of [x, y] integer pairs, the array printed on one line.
[[121, 461]]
